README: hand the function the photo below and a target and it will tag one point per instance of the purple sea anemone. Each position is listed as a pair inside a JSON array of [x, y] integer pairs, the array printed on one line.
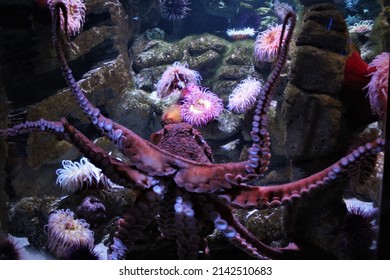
[[200, 106], [378, 87], [267, 44], [176, 77], [244, 95], [65, 233], [75, 15], [92, 210], [174, 9]]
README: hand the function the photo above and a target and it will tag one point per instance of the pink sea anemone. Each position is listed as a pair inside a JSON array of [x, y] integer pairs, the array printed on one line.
[[76, 15], [200, 106], [65, 233], [267, 43], [378, 87], [244, 95], [177, 76], [174, 9]]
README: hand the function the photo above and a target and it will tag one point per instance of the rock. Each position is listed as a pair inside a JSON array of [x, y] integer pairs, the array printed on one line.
[[315, 77], [325, 29], [29, 216], [221, 8], [313, 124], [266, 225]]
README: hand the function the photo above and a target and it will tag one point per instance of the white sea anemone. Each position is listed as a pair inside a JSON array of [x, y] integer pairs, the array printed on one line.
[[362, 26], [240, 34], [75, 176]]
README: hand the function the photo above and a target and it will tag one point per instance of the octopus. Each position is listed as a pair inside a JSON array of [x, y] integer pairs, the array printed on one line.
[[173, 175]]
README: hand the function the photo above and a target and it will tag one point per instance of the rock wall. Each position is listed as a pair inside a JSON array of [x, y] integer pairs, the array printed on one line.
[[312, 111]]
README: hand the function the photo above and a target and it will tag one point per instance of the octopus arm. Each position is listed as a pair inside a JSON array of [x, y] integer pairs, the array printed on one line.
[[210, 178], [119, 172], [245, 196]]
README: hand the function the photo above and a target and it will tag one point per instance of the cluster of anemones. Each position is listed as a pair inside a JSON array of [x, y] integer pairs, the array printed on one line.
[[176, 77], [363, 26], [75, 176], [267, 44], [200, 106], [378, 86], [244, 95], [240, 34], [66, 234]]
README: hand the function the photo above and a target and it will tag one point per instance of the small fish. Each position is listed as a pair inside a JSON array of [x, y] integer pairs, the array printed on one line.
[[136, 18], [330, 23]]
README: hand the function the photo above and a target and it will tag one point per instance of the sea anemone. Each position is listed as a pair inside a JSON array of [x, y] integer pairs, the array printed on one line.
[[267, 44], [200, 106], [356, 233], [244, 95], [378, 86], [177, 76], [66, 234], [363, 26], [240, 34], [92, 210], [281, 9], [76, 176], [75, 15], [174, 9]]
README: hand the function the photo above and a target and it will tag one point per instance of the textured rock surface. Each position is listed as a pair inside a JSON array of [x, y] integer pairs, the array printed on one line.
[[316, 129], [312, 113]]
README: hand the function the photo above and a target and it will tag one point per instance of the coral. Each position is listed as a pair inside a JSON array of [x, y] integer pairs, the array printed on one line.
[[174, 9], [200, 106], [176, 76], [244, 95], [92, 210], [75, 17], [378, 86], [65, 233], [267, 43], [240, 34]]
